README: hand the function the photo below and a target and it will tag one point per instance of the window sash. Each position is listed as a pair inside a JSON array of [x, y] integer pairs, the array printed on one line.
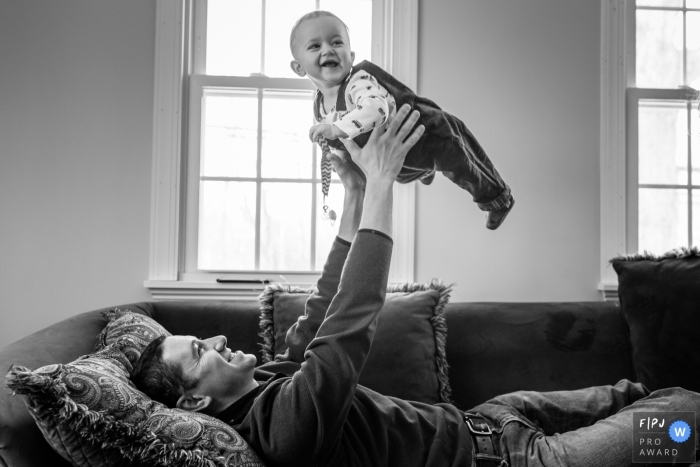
[[198, 84], [394, 47], [634, 96]]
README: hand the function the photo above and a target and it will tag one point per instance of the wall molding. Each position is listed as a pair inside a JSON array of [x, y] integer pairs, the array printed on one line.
[[170, 75], [614, 66]]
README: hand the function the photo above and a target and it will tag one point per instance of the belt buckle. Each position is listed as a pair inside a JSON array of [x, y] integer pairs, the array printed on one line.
[[476, 431]]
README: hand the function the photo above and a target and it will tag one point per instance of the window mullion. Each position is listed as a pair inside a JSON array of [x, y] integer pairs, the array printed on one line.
[[685, 48], [689, 107], [314, 202], [258, 183], [262, 41]]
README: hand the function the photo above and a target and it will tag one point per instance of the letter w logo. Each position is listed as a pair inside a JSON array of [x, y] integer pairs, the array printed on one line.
[[679, 431]]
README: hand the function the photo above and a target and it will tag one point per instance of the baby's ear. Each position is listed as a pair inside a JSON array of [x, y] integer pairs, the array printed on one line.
[[352, 57], [297, 68]]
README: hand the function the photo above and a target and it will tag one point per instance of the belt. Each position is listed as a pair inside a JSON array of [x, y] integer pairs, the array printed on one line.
[[482, 437]]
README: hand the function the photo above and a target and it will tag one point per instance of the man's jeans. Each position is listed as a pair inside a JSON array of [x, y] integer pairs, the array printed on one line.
[[585, 428]]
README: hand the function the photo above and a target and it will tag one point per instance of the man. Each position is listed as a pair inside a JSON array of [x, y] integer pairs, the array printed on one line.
[[306, 407]]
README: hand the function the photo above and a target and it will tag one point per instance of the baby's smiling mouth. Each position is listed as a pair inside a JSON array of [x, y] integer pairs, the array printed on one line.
[[330, 64]]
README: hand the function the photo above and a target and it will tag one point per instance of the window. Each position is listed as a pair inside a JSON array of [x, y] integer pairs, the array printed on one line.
[[236, 181], [650, 130]]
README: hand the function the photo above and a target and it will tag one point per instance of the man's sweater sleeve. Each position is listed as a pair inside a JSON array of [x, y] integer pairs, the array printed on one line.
[[310, 410], [304, 330]]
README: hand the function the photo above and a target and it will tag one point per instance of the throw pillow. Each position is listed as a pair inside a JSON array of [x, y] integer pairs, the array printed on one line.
[[92, 415], [129, 332], [660, 299], [407, 358]]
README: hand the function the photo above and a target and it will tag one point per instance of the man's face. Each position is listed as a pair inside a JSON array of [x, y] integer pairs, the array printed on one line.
[[219, 372], [321, 49]]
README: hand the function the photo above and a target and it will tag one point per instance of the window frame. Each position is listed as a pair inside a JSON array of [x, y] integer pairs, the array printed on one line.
[[394, 47], [619, 98]]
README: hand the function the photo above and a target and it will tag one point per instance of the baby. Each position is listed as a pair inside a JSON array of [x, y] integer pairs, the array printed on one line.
[[352, 100]]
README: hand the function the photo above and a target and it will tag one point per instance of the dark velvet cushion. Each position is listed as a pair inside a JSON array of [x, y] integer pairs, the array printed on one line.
[[660, 299], [407, 358]]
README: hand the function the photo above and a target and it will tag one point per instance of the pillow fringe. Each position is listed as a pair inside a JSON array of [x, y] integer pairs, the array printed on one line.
[[677, 253]]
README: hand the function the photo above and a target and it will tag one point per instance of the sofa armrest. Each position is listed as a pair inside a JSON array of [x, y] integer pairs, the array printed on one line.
[[21, 442]]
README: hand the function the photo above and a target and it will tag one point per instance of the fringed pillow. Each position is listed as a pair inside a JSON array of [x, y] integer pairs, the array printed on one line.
[[92, 415], [129, 332], [660, 299], [407, 358]]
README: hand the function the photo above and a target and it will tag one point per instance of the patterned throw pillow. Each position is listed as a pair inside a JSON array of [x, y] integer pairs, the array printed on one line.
[[92, 415], [660, 299], [407, 359], [129, 332]]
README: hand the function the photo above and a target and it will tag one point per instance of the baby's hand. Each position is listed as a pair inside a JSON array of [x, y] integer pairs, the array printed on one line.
[[325, 130]]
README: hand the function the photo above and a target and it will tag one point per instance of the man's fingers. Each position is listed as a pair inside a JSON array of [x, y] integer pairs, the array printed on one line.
[[351, 145], [395, 123], [414, 137], [408, 125]]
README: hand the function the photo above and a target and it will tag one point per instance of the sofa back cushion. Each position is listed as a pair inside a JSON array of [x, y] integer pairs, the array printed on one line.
[[238, 320], [495, 348]]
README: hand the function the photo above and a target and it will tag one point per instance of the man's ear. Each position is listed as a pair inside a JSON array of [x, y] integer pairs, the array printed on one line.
[[193, 403], [297, 68]]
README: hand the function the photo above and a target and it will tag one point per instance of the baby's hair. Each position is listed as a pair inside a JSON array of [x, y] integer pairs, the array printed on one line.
[[312, 15]]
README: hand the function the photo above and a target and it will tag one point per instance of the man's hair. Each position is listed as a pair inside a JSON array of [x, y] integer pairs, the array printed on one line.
[[160, 380], [312, 15]]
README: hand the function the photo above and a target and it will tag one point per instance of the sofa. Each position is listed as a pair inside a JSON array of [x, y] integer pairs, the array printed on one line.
[[492, 348]]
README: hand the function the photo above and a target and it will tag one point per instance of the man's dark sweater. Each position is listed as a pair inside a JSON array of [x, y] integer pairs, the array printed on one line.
[[320, 415]]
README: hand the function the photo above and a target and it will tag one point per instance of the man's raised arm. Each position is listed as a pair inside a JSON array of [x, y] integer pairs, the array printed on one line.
[[318, 398], [304, 330]]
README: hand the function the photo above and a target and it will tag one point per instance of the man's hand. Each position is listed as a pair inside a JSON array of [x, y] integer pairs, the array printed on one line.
[[381, 160], [349, 173], [325, 130]]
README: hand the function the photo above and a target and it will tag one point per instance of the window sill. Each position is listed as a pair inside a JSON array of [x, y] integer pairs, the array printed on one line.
[[193, 290], [609, 291]]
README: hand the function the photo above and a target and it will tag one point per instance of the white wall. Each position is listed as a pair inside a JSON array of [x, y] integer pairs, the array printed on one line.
[[76, 98], [76, 93], [524, 76]]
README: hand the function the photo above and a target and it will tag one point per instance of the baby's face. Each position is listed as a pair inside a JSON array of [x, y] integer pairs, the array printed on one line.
[[321, 49]]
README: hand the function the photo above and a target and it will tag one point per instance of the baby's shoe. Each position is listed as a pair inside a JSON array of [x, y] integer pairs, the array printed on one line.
[[494, 219], [428, 178]]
